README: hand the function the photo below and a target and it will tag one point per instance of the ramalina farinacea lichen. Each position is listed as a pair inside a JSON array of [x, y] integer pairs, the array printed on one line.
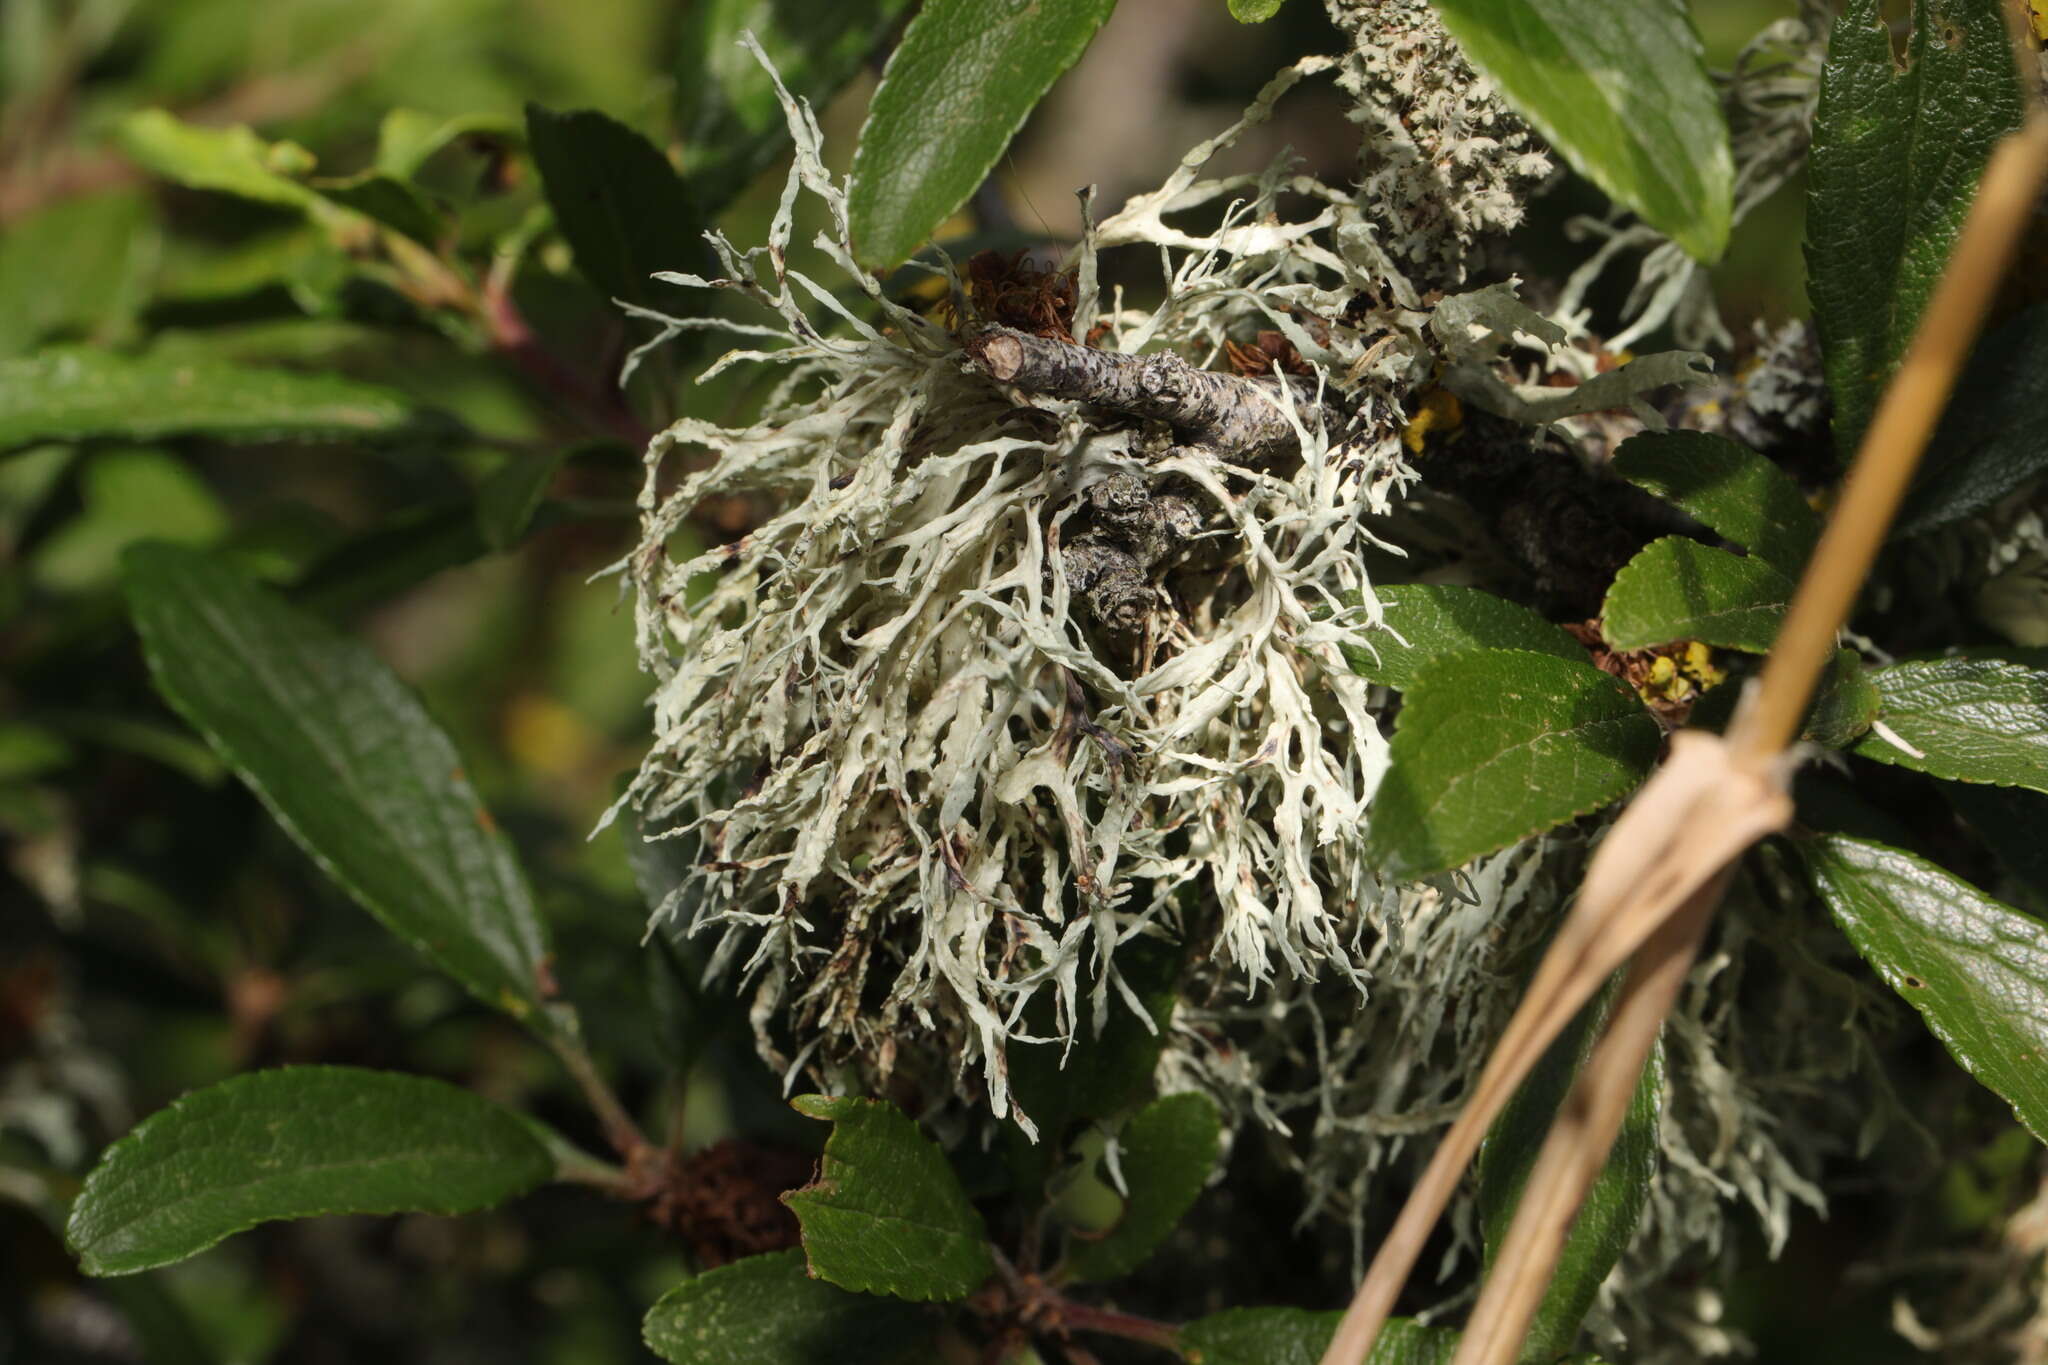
[[1040, 644]]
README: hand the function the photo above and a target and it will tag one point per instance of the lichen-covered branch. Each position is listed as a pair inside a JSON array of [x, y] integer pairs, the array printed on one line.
[[1222, 411]]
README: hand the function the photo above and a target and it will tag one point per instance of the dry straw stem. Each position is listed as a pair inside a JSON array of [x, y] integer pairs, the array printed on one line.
[[1658, 876]]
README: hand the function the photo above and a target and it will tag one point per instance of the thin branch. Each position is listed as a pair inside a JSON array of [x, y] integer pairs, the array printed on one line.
[[620, 1130]]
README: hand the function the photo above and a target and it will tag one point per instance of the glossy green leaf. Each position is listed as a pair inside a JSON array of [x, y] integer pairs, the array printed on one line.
[[765, 1310], [955, 91], [1845, 704], [79, 394], [1254, 11], [1976, 969], [348, 761], [1679, 589], [1490, 748], [1167, 1151], [1601, 1233], [1621, 91], [732, 127], [886, 1214], [1989, 440], [1295, 1336], [1972, 720], [1896, 157], [75, 268], [1437, 621], [1727, 487], [622, 207], [226, 160], [294, 1143]]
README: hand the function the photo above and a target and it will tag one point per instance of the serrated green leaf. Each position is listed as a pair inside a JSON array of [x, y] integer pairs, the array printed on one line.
[[622, 207], [225, 160], [1490, 748], [1295, 1336], [732, 127], [1621, 91], [294, 1143], [1254, 11], [1437, 621], [348, 761], [886, 1214], [1973, 720], [80, 394], [406, 138], [73, 268], [765, 1310], [1895, 161], [1844, 705], [955, 91], [387, 200], [1167, 1151], [1726, 486], [1606, 1223], [1989, 440], [1976, 969], [1679, 589]]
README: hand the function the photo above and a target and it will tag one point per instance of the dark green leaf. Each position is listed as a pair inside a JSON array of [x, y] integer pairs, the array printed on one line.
[[1896, 156], [1614, 1205], [78, 394], [507, 500], [293, 1143], [1167, 1151], [1989, 440], [886, 1214], [955, 91], [1976, 969], [1727, 487], [349, 762], [1845, 704], [732, 127], [1295, 1336], [622, 207], [1438, 621], [1973, 720], [1679, 589], [1620, 90], [1490, 748], [392, 202], [75, 267], [1254, 11], [765, 1310]]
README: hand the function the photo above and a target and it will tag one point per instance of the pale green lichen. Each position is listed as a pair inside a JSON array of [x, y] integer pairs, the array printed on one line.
[[920, 789]]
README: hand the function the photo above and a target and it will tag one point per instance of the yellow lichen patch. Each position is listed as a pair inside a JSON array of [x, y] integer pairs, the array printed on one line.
[[1440, 411]]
